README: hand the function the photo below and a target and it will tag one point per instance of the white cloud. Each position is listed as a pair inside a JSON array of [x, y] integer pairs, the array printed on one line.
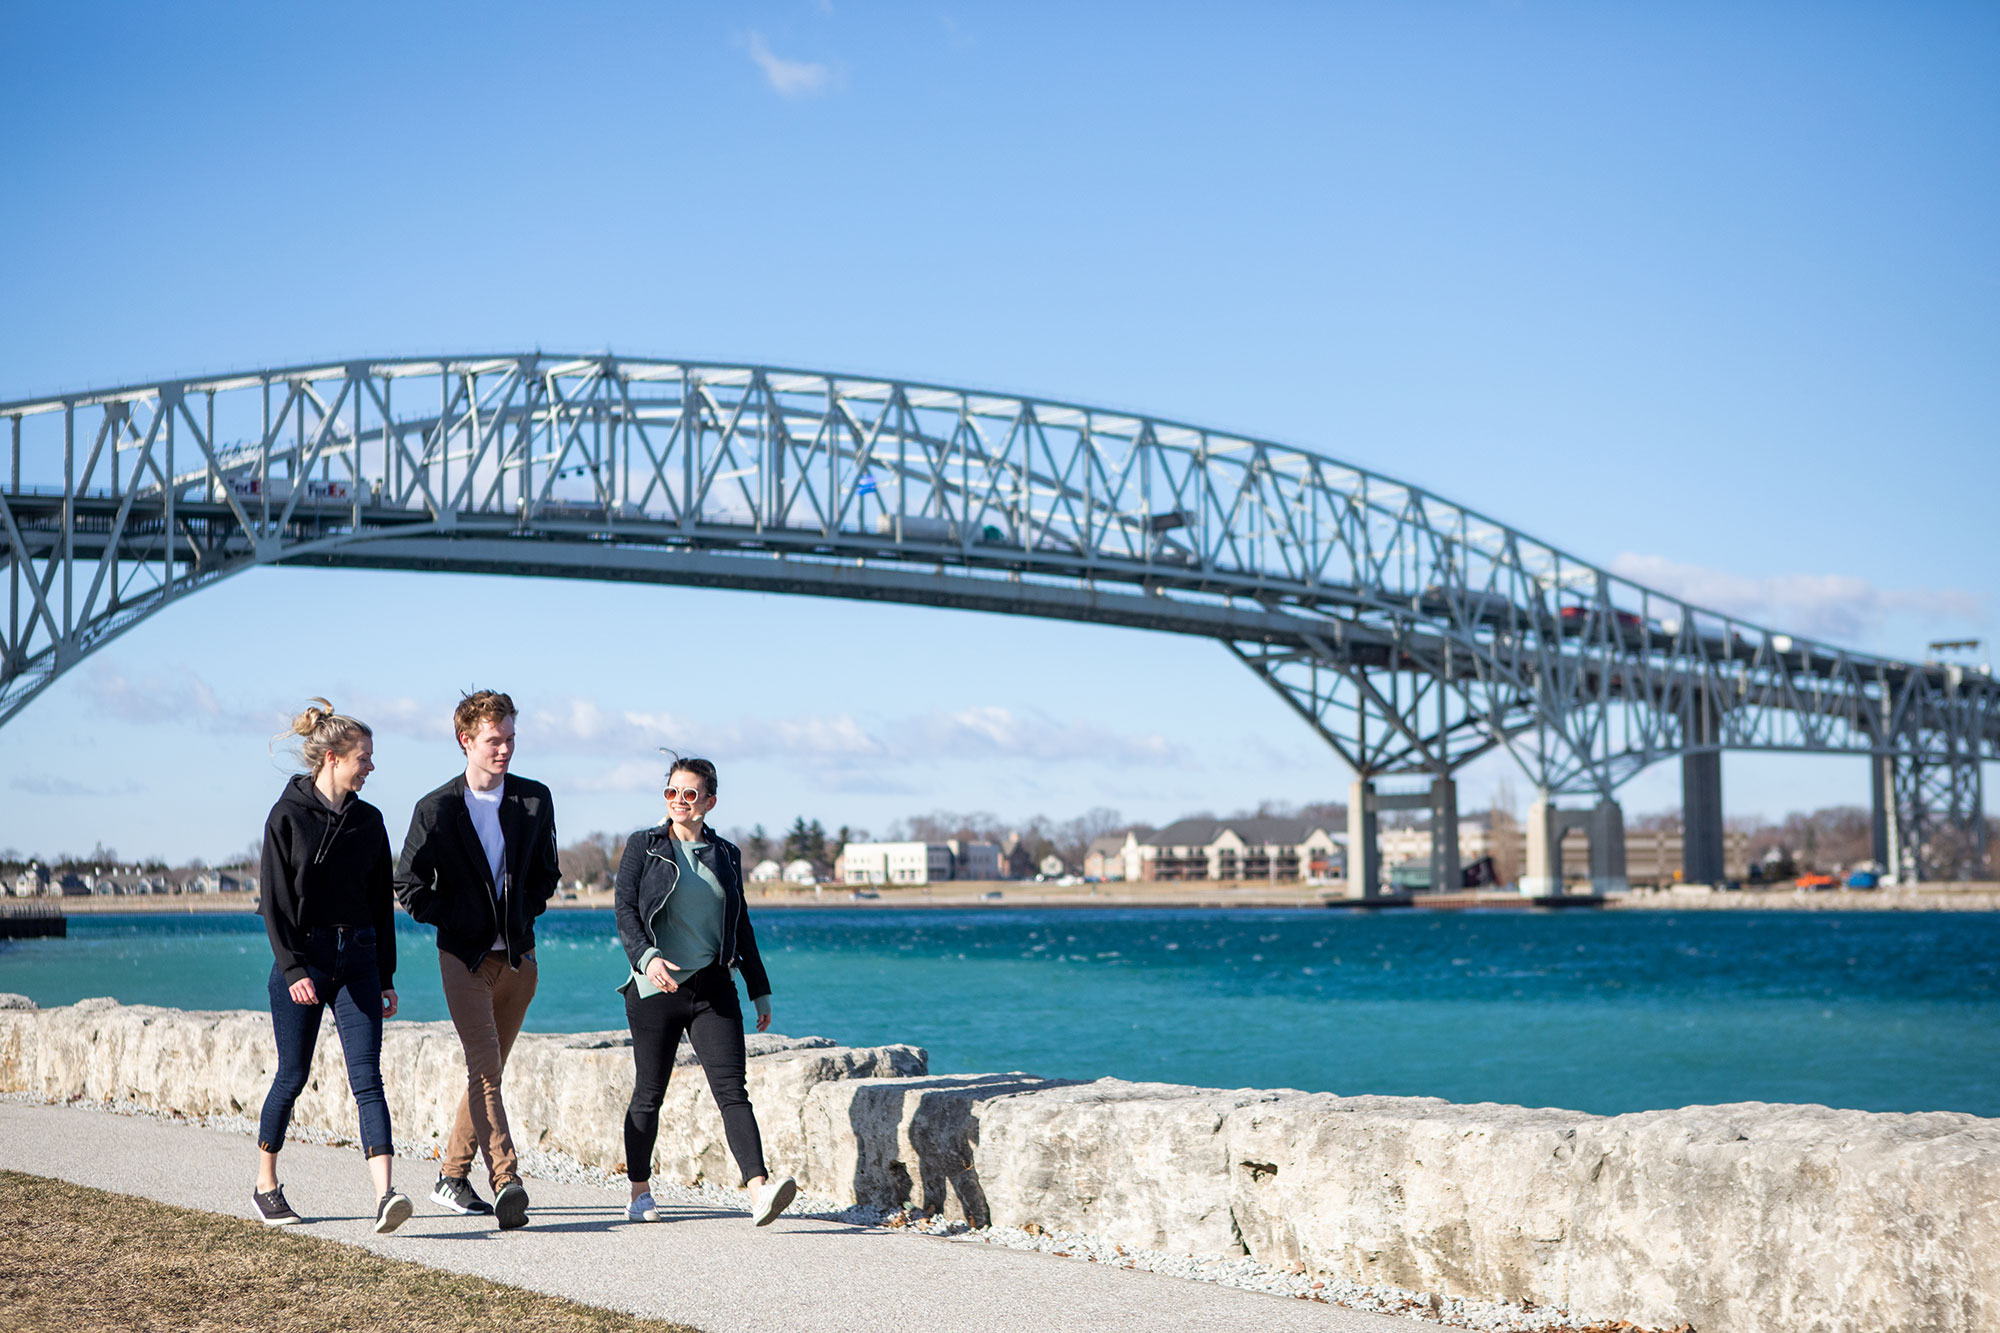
[[636, 740], [788, 78], [997, 732], [1835, 607], [186, 698], [50, 786], [841, 740], [183, 698]]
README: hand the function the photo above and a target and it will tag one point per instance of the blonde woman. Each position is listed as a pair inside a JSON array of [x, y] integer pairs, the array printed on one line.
[[328, 908]]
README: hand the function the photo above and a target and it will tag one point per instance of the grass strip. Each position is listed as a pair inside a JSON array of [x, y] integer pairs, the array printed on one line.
[[78, 1260]]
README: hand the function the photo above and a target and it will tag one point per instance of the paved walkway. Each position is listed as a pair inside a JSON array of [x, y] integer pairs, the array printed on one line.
[[712, 1270]]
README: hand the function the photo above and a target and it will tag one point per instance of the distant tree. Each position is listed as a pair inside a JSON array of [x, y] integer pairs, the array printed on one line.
[[594, 860], [800, 845]]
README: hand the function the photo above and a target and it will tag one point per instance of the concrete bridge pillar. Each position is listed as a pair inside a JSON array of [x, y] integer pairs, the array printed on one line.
[[1607, 849], [1445, 870], [1543, 875], [1701, 818], [1364, 851], [1882, 842], [1603, 825]]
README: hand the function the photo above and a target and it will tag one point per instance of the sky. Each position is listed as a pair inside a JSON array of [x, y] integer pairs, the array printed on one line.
[[1707, 293]]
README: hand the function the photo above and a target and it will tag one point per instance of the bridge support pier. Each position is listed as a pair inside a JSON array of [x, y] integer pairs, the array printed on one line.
[[1607, 848], [1701, 818], [1445, 872], [1882, 814], [1364, 849], [1603, 825], [1364, 845]]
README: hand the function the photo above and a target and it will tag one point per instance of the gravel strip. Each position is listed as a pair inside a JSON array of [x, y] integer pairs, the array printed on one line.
[[1225, 1270]]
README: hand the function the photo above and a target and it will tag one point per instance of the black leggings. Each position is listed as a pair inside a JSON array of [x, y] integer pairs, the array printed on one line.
[[707, 1010]]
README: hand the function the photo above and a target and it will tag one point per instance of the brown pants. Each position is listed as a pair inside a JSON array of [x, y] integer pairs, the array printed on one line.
[[487, 1007]]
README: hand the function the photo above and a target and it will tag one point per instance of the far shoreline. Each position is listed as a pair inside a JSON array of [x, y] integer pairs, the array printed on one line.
[[1015, 895]]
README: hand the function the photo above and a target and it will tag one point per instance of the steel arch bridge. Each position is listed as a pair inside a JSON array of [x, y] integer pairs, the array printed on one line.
[[1412, 634]]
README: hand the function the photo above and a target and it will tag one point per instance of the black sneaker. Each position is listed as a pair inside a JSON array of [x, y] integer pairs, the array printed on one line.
[[457, 1194], [510, 1206], [272, 1208], [391, 1211]]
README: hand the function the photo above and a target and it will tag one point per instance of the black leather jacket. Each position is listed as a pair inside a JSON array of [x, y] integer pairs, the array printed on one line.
[[647, 874]]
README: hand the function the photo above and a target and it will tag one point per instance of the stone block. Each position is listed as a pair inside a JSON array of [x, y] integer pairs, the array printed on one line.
[[1144, 1165], [1737, 1219]]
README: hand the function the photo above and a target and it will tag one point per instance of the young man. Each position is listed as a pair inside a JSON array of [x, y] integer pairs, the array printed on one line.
[[479, 865]]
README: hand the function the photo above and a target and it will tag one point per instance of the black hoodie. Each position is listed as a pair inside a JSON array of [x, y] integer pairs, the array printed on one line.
[[326, 869]]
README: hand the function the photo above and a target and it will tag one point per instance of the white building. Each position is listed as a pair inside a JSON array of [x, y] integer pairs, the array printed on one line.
[[800, 872], [918, 862], [767, 872], [33, 881]]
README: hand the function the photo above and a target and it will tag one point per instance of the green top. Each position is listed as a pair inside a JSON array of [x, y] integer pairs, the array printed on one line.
[[687, 930], [687, 926]]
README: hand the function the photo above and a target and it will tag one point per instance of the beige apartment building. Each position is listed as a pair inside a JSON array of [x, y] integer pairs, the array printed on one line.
[[1220, 849]]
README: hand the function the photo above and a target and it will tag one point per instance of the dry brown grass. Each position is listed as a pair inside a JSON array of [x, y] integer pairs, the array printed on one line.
[[76, 1260]]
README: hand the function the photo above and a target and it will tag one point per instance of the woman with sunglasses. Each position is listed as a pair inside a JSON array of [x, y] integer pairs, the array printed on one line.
[[684, 926]]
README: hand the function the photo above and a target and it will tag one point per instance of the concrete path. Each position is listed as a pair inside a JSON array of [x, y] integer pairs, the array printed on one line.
[[712, 1270]]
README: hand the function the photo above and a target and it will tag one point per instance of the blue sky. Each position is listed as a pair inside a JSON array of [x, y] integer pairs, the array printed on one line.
[[1704, 292]]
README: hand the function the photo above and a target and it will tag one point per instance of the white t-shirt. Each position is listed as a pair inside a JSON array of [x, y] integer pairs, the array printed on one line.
[[484, 807]]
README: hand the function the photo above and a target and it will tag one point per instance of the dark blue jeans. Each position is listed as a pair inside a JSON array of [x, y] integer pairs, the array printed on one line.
[[341, 962]]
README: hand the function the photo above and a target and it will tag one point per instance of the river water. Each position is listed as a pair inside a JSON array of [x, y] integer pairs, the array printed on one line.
[[1604, 1012]]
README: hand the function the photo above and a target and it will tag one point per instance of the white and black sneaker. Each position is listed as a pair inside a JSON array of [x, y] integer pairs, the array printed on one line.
[[272, 1208], [773, 1198], [457, 1194], [510, 1206], [391, 1211]]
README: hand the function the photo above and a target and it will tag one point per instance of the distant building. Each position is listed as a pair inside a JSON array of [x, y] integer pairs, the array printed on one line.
[[767, 872], [1116, 855], [1256, 848], [918, 862], [1652, 856], [31, 882], [1016, 860], [800, 872]]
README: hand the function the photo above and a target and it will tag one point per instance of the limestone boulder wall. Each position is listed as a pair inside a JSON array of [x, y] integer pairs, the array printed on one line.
[[1142, 1164], [1745, 1217], [565, 1093], [1737, 1219]]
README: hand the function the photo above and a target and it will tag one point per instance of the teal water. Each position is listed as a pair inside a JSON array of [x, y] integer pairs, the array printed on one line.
[[1603, 1012]]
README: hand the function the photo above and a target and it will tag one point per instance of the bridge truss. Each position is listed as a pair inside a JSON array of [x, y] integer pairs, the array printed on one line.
[[1412, 634]]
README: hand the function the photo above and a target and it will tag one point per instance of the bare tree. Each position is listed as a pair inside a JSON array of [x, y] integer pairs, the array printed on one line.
[[593, 861]]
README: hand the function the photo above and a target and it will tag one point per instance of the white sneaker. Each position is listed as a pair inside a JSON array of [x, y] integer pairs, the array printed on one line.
[[772, 1199], [643, 1209]]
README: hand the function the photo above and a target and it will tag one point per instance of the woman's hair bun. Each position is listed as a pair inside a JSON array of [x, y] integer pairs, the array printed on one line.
[[326, 732], [306, 723]]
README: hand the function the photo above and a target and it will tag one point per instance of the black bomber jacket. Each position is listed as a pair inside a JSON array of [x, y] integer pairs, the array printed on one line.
[[443, 881]]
